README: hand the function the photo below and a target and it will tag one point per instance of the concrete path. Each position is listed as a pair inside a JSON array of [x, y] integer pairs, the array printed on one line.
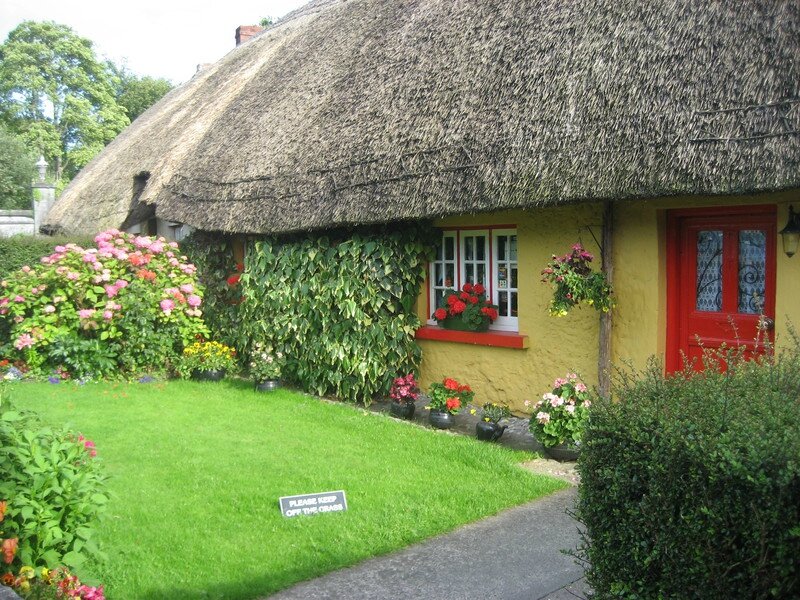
[[515, 555]]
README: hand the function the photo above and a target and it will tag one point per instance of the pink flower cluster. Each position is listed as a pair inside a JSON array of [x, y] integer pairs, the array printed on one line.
[[89, 445], [404, 389]]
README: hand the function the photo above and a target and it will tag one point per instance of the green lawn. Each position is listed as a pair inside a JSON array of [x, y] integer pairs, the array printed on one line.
[[197, 468]]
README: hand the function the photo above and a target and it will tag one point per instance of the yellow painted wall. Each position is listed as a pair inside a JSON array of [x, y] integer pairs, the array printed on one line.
[[557, 345]]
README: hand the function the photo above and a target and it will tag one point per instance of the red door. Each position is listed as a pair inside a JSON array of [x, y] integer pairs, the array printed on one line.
[[720, 280]]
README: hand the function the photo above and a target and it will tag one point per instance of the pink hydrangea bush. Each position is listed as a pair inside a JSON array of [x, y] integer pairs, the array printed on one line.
[[129, 304]]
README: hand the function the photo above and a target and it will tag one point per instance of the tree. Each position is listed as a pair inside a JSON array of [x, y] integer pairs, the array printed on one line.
[[137, 94], [16, 172], [57, 96]]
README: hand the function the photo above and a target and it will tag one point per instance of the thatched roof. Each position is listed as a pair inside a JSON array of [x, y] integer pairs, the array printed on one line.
[[363, 111]]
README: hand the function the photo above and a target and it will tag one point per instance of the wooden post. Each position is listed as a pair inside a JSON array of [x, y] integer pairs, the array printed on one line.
[[607, 267]]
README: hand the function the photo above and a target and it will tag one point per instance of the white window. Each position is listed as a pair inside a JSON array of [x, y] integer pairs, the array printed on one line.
[[487, 256]]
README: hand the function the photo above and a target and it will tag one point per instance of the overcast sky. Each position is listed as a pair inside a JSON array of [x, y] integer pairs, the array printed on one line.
[[159, 38]]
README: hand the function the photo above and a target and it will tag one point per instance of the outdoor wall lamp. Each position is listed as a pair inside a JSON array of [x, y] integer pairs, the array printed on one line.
[[791, 233]]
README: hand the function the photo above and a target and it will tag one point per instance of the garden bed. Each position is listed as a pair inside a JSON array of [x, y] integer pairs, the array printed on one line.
[[197, 469]]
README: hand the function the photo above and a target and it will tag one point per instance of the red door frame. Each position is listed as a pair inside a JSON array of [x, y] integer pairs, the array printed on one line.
[[676, 287]]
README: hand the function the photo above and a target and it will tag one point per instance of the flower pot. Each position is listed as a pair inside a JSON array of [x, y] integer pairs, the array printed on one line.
[[268, 385], [402, 410], [488, 431], [208, 375], [458, 324], [441, 419], [562, 452]]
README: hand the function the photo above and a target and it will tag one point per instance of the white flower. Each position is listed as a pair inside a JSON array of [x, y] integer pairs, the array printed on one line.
[[570, 408], [543, 417]]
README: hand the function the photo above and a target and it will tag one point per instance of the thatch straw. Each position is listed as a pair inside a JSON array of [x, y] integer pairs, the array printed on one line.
[[366, 111]]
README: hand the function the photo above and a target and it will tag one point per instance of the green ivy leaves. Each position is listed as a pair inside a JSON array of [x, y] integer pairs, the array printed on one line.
[[340, 308]]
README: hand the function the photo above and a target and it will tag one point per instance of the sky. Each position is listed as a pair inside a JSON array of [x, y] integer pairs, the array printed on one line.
[[158, 38]]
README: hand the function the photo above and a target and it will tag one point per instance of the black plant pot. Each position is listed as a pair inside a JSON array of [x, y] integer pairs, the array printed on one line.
[[402, 410], [562, 452], [441, 419], [208, 375], [268, 385], [489, 432]]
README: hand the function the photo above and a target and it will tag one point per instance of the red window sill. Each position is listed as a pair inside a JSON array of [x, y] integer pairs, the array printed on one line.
[[498, 339]]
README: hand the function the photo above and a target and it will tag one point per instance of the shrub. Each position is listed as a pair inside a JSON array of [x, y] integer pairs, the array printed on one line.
[[341, 310], [20, 250], [53, 489], [131, 304], [690, 484]]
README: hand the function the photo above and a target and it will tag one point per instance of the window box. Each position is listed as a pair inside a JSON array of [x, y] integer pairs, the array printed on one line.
[[497, 339]]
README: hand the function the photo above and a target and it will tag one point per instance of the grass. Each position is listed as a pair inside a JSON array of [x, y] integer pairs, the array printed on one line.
[[197, 469]]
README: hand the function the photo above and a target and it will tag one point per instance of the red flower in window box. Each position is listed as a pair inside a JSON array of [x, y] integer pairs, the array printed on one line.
[[467, 310]]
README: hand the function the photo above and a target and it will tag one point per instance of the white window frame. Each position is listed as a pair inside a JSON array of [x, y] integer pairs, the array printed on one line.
[[490, 253], [508, 323]]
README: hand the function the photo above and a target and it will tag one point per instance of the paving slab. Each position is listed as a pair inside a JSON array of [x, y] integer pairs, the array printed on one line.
[[515, 555]]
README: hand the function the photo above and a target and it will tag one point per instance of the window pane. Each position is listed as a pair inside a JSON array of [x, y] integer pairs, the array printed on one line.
[[514, 277], [468, 246], [439, 275], [709, 271], [438, 251], [501, 247], [450, 274], [513, 304], [502, 309], [502, 277], [481, 274], [752, 270], [449, 248], [480, 243], [513, 257], [439, 298], [469, 273]]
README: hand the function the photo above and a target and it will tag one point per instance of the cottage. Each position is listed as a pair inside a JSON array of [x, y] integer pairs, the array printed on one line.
[[666, 132]]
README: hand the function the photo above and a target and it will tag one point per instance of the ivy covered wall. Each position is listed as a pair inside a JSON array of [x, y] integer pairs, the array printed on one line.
[[340, 306]]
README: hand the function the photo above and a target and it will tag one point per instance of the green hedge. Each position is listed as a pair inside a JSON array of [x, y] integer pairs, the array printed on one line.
[[690, 485], [21, 250], [341, 308]]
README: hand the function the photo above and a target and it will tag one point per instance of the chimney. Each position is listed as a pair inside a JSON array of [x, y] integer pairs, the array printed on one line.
[[245, 32]]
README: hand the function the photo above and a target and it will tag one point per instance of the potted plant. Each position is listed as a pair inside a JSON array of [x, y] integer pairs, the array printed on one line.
[[404, 393], [446, 399], [207, 361], [575, 282], [266, 366], [488, 429], [467, 310], [559, 418]]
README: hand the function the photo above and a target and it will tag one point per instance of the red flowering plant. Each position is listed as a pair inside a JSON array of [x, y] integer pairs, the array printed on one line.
[[404, 389], [467, 310], [449, 396]]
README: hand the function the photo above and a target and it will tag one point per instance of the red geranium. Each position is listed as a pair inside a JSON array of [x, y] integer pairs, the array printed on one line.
[[453, 403], [451, 384], [464, 296], [468, 288], [452, 299], [473, 299], [457, 308], [449, 396], [440, 314], [478, 289]]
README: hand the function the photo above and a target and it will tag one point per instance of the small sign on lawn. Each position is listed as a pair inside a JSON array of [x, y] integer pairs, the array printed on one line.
[[313, 504]]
